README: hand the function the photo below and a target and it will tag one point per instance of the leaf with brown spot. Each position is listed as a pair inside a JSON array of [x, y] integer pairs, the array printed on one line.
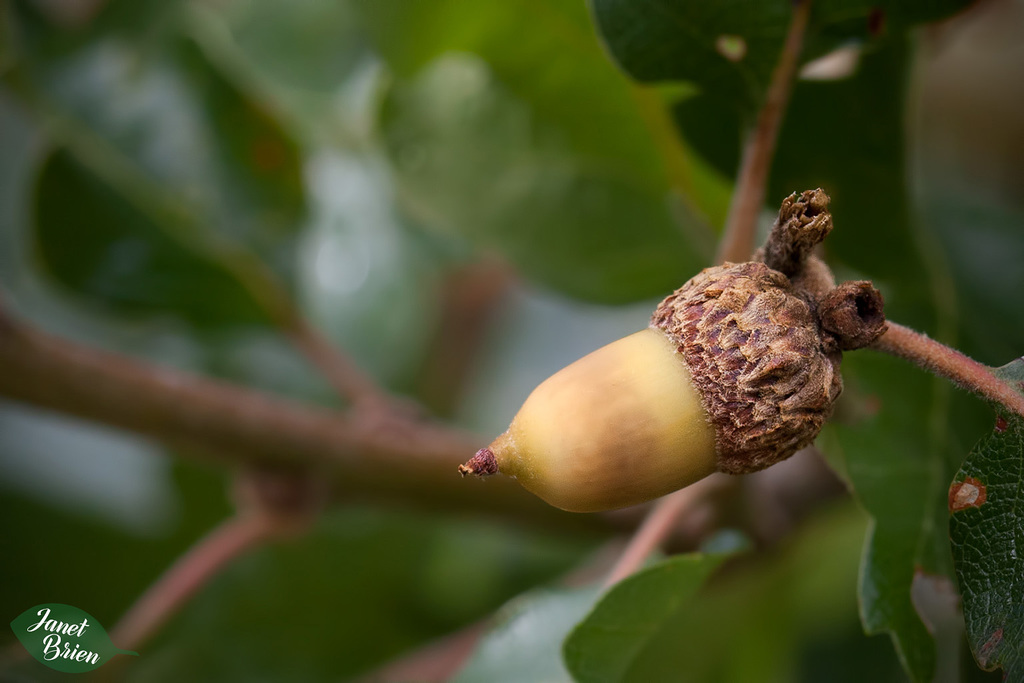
[[966, 494], [986, 503]]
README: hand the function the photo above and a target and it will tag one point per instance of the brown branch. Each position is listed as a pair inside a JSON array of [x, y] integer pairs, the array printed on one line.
[[231, 539], [340, 371], [945, 362], [347, 379], [470, 297], [385, 458], [661, 521], [436, 662], [741, 226]]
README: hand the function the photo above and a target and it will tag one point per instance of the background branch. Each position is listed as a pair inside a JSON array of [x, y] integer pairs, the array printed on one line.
[[662, 519], [182, 580], [184, 224], [737, 242], [394, 457]]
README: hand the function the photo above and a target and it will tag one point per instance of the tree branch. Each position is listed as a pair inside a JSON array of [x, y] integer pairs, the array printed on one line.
[[661, 521], [231, 539], [389, 457], [435, 662], [741, 226], [340, 371], [945, 362], [348, 380], [470, 297]]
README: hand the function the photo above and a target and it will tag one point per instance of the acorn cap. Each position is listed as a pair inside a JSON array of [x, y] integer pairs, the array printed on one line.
[[756, 354]]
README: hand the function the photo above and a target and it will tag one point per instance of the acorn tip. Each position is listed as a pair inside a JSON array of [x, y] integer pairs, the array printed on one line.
[[482, 464]]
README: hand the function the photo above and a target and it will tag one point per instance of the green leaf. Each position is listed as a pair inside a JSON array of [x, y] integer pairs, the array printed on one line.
[[729, 48], [190, 134], [986, 525], [309, 610], [104, 246], [65, 638], [536, 148], [525, 646], [847, 137], [313, 85], [268, 33], [471, 161], [50, 31], [666, 40], [258, 196], [898, 438], [634, 612], [898, 476], [173, 133], [760, 620]]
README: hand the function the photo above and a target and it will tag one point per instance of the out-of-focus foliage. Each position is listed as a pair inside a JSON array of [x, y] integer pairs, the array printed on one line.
[[534, 147], [729, 48], [172, 170], [535, 623], [636, 613]]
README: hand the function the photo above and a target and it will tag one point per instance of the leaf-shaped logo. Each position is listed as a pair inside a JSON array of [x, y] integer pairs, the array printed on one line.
[[65, 638]]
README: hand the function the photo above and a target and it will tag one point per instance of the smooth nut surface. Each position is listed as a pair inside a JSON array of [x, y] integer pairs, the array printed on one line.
[[620, 426]]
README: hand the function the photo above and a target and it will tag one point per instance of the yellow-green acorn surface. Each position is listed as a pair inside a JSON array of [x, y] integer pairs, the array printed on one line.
[[617, 427], [734, 374]]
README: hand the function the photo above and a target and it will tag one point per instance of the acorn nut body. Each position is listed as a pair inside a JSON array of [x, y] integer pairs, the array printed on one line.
[[617, 427], [732, 375]]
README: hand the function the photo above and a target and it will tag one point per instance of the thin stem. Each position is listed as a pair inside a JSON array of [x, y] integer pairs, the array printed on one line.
[[471, 296], [435, 662], [659, 524], [741, 227], [347, 379], [203, 561], [949, 363]]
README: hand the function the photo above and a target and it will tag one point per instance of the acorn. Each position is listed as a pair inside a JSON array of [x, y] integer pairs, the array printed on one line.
[[738, 370]]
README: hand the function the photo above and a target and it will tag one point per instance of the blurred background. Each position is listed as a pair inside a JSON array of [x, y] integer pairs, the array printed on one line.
[[465, 197]]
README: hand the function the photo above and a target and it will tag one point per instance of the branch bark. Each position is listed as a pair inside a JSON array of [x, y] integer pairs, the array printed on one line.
[[379, 456], [182, 580], [741, 226], [661, 521]]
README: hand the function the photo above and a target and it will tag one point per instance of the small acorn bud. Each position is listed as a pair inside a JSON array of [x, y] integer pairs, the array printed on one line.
[[738, 370]]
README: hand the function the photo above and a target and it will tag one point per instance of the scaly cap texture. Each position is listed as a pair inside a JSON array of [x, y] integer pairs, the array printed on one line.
[[755, 353]]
